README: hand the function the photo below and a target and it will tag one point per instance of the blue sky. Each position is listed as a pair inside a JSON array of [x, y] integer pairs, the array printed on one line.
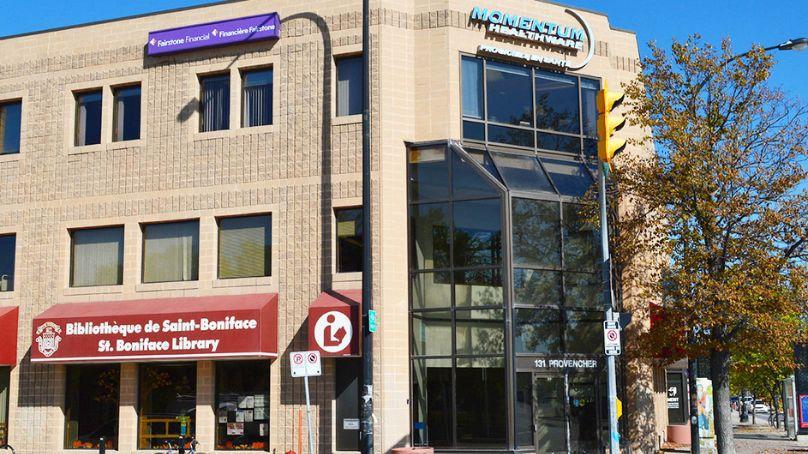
[[746, 21]]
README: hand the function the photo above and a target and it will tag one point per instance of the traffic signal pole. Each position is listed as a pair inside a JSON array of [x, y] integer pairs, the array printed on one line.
[[614, 433]]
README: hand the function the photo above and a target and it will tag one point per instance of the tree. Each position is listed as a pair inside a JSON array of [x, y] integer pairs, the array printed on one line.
[[716, 219], [758, 373]]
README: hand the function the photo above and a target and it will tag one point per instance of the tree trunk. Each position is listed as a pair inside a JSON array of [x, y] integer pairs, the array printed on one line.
[[719, 372]]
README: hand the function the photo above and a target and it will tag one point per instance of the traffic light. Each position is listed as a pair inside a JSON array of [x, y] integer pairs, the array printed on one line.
[[608, 123]]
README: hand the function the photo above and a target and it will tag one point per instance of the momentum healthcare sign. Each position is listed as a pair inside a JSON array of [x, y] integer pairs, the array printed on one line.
[[212, 34], [536, 30]]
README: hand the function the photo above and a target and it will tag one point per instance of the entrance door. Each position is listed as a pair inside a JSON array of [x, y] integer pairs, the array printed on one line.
[[567, 409]]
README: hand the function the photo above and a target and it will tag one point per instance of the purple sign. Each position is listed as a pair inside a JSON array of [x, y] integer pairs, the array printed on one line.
[[221, 33]]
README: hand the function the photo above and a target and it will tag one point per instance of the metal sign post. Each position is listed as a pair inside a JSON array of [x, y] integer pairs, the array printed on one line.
[[306, 364], [614, 433]]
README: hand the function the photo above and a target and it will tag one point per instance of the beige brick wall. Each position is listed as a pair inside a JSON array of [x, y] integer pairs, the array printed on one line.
[[298, 169]]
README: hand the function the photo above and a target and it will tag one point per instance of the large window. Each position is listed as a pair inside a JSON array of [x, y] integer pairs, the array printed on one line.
[[214, 102], [167, 403], [526, 107], [458, 321], [91, 406], [10, 124], [171, 252], [96, 257], [88, 118], [349, 239], [8, 246], [4, 389], [242, 405], [350, 82], [256, 97], [126, 113], [245, 246]]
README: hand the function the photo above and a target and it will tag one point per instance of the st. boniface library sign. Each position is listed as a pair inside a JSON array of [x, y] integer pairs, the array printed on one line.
[[527, 29]]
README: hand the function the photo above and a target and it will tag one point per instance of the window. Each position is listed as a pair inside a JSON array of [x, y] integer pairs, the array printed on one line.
[[527, 107], [126, 113], [349, 239], [4, 382], [350, 85], [8, 247], [242, 405], [91, 406], [96, 257], [256, 101], [88, 118], [245, 246], [167, 403], [171, 252], [677, 403], [10, 124], [214, 103]]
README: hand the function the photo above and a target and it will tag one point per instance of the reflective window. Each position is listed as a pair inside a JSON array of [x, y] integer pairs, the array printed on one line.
[[589, 113], [537, 331], [480, 332], [429, 227], [256, 97], [245, 246], [349, 239], [8, 247], [467, 182], [432, 333], [428, 174], [126, 113], [557, 142], [583, 332], [510, 136], [167, 403], [583, 290], [4, 390], [473, 130], [581, 241], [10, 126], [475, 288], [431, 290], [472, 83], [96, 257], [536, 233], [482, 402], [557, 102], [432, 402], [549, 418], [350, 76], [522, 173], [91, 406], [242, 405], [88, 118], [477, 238], [570, 178], [171, 252], [214, 104], [537, 287], [509, 94]]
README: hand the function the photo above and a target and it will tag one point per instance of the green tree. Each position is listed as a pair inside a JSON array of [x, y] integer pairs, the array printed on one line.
[[716, 219]]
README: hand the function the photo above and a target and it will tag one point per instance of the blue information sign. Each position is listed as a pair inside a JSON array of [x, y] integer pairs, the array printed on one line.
[[803, 411]]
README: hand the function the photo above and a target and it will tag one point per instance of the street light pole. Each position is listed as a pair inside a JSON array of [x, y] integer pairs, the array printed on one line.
[[366, 404]]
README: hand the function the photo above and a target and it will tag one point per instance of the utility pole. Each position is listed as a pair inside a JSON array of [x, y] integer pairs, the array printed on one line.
[[366, 434]]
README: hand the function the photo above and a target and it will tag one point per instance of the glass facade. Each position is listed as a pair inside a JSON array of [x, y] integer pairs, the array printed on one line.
[[506, 294]]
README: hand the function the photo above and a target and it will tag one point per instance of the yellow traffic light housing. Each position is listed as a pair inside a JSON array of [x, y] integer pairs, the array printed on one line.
[[608, 124]]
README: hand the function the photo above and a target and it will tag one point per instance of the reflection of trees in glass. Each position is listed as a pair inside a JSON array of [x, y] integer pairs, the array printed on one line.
[[480, 332], [107, 386], [478, 288], [581, 251], [583, 332], [430, 227], [477, 247], [536, 233], [538, 331], [583, 290], [549, 117], [537, 287]]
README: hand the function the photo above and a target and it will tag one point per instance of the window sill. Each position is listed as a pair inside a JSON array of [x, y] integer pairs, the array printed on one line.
[[96, 290], [160, 286], [117, 145], [7, 295], [243, 282], [10, 157], [348, 277], [233, 132], [81, 149], [346, 119]]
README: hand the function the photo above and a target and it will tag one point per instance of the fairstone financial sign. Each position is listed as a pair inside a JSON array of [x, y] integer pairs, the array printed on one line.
[[536, 30], [213, 34]]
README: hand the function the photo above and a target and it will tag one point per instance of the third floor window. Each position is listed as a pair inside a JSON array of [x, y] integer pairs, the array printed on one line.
[[10, 121]]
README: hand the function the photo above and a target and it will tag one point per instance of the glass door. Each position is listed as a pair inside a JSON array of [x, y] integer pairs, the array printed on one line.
[[549, 414]]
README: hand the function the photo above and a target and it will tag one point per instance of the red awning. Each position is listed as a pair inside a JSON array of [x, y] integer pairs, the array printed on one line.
[[232, 326], [335, 324], [8, 335]]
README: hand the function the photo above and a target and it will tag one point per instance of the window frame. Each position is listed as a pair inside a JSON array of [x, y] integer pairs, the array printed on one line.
[[13, 279], [335, 210], [145, 225], [71, 263], [201, 77], [77, 94], [114, 90], [218, 220], [337, 59], [242, 72], [486, 142], [3, 104]]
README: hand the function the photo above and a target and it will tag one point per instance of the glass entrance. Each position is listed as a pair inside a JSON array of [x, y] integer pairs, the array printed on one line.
[[567, 409]]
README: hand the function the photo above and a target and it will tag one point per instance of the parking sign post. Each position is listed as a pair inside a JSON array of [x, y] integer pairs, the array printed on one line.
[[306, 364]]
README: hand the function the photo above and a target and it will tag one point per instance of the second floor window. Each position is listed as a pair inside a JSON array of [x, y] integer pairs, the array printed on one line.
[[126, 114], [10, 121], [245, 246], [8, 245], [88, 118], [256, 98], [214, 107], [171, 252], [349, 239], [350, 85], [96, 257]]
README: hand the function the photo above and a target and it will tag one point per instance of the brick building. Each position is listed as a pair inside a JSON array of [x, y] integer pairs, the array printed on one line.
[[178, 179]]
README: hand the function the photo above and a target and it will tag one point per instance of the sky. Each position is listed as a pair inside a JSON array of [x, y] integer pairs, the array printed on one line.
[[746, 22]]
